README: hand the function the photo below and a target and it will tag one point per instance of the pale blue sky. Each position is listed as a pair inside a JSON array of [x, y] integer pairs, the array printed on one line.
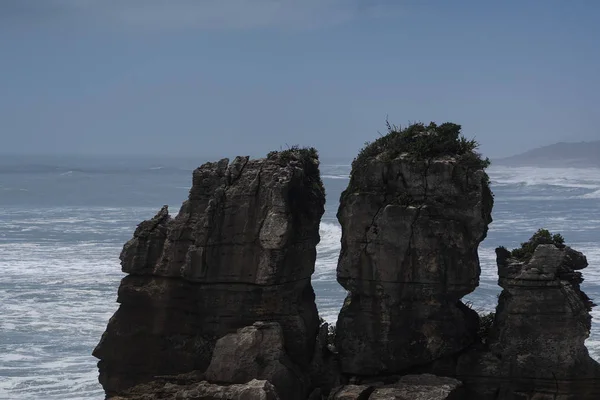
[[224, 77]]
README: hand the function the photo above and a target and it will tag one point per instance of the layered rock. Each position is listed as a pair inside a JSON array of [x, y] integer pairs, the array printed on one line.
[[241, 250], [536, 345], [256, 351], [218, 303], [163, 389], [410, 232], [410, 387]]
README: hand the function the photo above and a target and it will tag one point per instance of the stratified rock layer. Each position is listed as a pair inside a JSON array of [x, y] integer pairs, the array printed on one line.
[[536, 344], [410, 233], [253, 390], [410, 387], [256, 351], [242, 249]]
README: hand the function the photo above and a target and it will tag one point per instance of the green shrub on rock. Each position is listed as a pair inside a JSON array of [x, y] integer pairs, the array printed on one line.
[[423, 142], [542, 236], [294, 153]]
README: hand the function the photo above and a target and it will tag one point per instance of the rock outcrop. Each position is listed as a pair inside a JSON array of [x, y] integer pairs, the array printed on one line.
[[163, 389], [218, 302], [241, 250], [409, 387], [536, 345], [411, 227], [256, 351]]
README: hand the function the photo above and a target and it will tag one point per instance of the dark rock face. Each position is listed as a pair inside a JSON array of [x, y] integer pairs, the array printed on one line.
[[325, 369], [256, 352], [536, 344], [253, 390], [410, 387], [242, 249], [410, 233], [218, 302]]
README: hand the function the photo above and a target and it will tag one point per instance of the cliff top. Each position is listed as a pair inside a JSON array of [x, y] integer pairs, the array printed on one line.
[[294, 153], [308, 156], [542, 236], [423, 142]]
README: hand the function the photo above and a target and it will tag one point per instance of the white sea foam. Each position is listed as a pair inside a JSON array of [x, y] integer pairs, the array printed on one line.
[[587, 178], [592, 195], [592, 272], [60, 271], [328, 251], [338, 171], [55, 303], [55, 300], [329, 294], [344, 177], [593, 342]]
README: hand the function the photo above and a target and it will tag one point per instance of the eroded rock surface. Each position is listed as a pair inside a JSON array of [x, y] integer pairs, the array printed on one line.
[[241, 249], [256, 352], [218, 303], [410, 387], [253, 390], [536, 344], [410, 233]]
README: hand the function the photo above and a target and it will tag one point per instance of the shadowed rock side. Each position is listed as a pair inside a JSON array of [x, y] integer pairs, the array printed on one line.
[[241, 250], [410, 233], [536, 345]]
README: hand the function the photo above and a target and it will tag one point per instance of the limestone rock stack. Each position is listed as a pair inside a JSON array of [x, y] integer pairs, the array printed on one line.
[[226, 280], [411, 227], [218, 302], [536, 345]]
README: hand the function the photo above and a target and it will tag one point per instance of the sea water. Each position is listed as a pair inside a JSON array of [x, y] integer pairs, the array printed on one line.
[[63, 222]]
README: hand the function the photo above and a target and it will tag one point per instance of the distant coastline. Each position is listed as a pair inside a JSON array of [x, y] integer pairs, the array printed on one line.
[[558, 155]]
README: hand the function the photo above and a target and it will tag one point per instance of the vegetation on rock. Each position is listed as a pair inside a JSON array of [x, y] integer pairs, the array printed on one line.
[[423, 142], [309, 158], [486, 320], [542, 236], [294, 153]]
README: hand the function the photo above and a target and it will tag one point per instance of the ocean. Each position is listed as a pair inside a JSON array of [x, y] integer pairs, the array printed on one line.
[[63, 222]]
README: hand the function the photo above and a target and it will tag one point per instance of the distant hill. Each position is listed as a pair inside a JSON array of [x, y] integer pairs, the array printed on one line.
[[582, 154]]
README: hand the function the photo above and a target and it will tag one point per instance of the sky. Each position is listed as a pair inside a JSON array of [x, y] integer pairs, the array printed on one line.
[[219, 78]]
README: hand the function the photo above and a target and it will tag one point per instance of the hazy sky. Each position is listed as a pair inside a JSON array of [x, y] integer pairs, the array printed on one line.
[[226, 77]]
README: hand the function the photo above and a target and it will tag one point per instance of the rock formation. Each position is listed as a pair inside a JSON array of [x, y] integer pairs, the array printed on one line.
[[226, 280], [409, 387], [190, 389], [536, 345], [164, 389], [411, 226], [218, 302], [255, 351]]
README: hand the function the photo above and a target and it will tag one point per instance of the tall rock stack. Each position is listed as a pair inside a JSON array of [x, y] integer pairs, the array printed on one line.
[[226, 280], [536, 346], [417, 206]]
